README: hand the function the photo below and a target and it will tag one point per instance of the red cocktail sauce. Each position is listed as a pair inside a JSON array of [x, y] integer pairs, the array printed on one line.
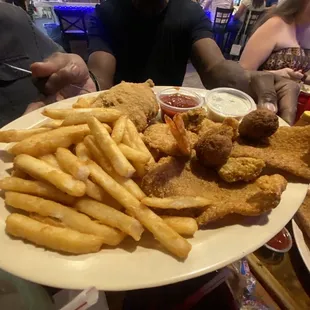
[[280, 241], [178, 101]]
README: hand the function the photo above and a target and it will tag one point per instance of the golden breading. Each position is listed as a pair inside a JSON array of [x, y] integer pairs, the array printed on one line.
[[135, 99], [160, 138], [174, 176], [241, 169], [288, 149]]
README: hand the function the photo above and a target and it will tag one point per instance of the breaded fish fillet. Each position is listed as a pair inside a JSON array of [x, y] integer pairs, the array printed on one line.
[[135, 99], [288, 149], [176, 177]]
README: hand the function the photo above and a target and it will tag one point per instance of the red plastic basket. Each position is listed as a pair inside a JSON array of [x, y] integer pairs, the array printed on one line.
[[303, 104]]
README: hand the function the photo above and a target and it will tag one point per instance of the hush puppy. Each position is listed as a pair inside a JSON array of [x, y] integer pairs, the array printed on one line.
[[213, 150], [258, 125]]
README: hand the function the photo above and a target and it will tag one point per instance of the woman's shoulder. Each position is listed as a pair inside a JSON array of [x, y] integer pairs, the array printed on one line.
[[276, 21], [275, 24]]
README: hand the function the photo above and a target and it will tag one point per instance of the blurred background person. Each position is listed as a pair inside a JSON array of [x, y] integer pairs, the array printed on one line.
[[21, 45], [245, 5], [281, 42]]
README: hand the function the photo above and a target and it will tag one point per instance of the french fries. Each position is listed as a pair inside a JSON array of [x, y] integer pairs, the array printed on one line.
[[94, 191], [119, 129], [70, 217], [137, 140], [47, 220], [35, 188], [82, 152], [178, 202], [103, 115], [110, 149], [161, 231], [43, 171], [111, 217], [71, 164], [82, 102], [186, 226], [19, 174], [51, 159], [134, 155], [13, 135], [48, 142], [63, 113], [103, 162], [56, 123], [56, 238], [75, 185]]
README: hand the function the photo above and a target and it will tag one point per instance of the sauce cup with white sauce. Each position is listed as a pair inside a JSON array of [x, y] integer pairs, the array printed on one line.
[[228, 102]]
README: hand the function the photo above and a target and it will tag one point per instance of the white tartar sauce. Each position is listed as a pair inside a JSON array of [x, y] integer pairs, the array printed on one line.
[[229, 104]]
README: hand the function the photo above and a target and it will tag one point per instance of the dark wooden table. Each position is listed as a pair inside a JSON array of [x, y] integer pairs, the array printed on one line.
[[285, 277]]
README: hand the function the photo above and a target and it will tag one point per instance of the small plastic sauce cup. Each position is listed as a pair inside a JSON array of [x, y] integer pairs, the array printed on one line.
[[175, 94], [281, 242], [228, 102]]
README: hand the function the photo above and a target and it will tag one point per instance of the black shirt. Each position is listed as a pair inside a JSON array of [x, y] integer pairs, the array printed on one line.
[[148, 47], [21, 44]]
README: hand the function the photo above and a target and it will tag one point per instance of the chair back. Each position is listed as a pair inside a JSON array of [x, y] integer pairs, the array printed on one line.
[[72, 22], [251, 17], [221, 19]]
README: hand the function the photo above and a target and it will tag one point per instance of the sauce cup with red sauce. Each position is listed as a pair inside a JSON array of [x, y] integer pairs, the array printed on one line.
[[175, 100], [281, 242]]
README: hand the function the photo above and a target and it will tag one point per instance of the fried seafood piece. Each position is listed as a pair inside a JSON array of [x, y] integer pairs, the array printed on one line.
[[179, 132], [137, 100], [258, 125], [194, 118], [159, 138], [176, 176], [212, 150], [241, 169], [288, 149]]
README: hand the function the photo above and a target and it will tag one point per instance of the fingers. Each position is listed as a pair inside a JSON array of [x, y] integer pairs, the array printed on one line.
[[297, 75], [61, 70], [50, 65], [262, 84], [287, 92], [34, 106]]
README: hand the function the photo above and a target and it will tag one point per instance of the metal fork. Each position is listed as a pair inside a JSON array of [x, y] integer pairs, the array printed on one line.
[[29, 72]]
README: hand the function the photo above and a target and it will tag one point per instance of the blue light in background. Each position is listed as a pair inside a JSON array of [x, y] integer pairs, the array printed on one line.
[[74, 8]]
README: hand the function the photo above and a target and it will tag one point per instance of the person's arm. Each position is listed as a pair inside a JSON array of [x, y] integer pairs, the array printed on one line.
[[102, 65], [267, 89], [101, 62], [261, 44]]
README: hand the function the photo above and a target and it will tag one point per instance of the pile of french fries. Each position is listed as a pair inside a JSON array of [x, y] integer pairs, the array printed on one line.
[[73, 187]]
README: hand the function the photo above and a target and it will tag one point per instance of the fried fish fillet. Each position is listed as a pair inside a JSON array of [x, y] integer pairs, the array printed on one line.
[[288, 149], [135, 99], [159, 137], [175, 177]]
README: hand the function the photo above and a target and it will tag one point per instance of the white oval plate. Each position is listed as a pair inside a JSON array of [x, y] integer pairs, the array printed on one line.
[[144, 265], [301, 243]]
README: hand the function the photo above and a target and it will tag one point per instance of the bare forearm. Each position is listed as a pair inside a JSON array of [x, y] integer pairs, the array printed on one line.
[[214, 70], [102, 65]]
